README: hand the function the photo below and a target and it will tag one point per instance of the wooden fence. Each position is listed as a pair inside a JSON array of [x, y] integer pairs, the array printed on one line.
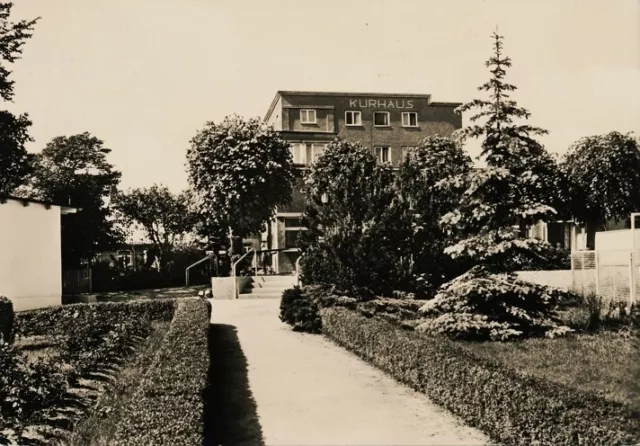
[[76, 281]]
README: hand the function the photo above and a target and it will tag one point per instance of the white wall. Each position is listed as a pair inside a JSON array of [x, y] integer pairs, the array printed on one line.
[[30, 255], [562, 279], [621, 239]]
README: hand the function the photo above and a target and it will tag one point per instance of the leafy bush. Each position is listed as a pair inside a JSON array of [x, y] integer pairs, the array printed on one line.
[[512, 409], [300, 311], [167, 408], [401, 312], [592, 313], [357, 228], [6, 319], [27, 391], [480, 305]]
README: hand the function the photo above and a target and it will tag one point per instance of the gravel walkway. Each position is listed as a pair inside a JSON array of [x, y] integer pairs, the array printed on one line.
[[309, 391]]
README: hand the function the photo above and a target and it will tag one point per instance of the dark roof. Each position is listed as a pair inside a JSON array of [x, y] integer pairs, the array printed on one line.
[[4, 198]]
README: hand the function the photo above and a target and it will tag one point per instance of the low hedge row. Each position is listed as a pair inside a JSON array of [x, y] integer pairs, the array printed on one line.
[[167, 409], [61, 319], [92, 338], [511, 408]]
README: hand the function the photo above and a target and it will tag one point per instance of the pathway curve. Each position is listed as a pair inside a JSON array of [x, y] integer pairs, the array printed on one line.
[[310, 391]]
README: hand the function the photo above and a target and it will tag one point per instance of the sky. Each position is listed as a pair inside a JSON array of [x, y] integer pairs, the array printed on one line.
[[145, 75]]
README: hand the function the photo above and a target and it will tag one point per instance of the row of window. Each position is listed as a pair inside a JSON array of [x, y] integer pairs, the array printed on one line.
[[354, 118], [307, 153]]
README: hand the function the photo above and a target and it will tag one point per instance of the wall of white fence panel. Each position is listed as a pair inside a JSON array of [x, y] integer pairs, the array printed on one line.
[[562, 279], [611, 274]]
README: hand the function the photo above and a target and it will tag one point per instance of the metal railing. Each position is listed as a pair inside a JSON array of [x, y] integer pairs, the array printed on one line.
[[234, 271], [186, 271]]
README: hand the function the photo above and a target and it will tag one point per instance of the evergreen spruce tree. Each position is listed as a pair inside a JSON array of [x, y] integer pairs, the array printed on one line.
[[515, 190]]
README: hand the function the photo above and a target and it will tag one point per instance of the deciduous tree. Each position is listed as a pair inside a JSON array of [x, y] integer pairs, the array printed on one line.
[[239, 171], [423, 183], [603, 173], [164, 216], [14, 159], [74, 170], [357, 226]]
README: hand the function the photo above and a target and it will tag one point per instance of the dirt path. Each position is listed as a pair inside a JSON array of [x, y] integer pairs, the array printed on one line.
[[309, 391]]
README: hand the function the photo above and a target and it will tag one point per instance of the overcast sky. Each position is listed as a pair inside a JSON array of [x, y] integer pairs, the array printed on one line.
[[145, 75]]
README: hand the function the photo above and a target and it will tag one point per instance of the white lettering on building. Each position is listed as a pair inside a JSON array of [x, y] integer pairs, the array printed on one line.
[[380, 103]]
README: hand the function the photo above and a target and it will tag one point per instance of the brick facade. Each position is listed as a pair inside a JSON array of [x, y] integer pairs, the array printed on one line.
[[308, 139]]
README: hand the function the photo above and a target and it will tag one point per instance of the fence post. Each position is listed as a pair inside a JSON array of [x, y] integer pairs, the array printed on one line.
[[597, 262], [632, 281], [584, 271]]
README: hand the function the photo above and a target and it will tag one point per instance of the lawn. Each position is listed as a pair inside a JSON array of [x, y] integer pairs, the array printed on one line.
[[606, 364], [158, 293]]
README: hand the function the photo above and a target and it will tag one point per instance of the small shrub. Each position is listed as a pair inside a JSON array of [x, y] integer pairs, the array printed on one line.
[[27, 390], [480, 305], [6, 319], [512, 409], [167, 408], [591, 313], [300, 311]]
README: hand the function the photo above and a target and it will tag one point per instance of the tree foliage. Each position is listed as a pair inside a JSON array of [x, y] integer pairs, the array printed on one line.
[[357, 228], [240, 171], [423, 184], [164, 216], [14, 159], [603, 173], [74, 170], [519, 185]]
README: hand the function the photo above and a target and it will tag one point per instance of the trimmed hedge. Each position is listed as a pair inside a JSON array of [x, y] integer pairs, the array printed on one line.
[[61, 319], [92, 338], [167, 409], [511, 408], [6, 319]]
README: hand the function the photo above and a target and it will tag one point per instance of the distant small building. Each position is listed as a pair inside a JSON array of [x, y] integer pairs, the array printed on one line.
[[30, 252]]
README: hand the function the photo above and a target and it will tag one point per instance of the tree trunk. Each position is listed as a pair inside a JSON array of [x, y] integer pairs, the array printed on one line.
[[591, 227]]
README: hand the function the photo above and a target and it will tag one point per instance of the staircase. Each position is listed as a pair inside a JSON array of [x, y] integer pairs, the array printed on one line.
[[267, 287]]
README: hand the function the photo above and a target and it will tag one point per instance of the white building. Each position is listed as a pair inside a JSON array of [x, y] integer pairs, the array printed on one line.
[[30, 252]]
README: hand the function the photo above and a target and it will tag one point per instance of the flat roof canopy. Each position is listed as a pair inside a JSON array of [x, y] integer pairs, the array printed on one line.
[[27, 201]]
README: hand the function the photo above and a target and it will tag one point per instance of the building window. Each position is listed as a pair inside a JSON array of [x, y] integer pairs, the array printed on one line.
[[292, 230], [353, 118], [409, 119], [299, 153], [383, 154], [307, 116], [381, 119]]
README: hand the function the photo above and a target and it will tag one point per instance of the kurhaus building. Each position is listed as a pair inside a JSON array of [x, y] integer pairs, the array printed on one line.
[[388, 124]]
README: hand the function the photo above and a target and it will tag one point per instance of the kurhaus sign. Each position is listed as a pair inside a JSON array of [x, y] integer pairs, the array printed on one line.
[[380, 103]]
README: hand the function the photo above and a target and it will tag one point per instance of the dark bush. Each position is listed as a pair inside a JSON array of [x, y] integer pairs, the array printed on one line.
[[300, 311], [6, 319], [167, 408], [512, 409]]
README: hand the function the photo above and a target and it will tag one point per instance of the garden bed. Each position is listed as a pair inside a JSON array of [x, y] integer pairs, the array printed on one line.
[[73, 368], [486, 392]]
